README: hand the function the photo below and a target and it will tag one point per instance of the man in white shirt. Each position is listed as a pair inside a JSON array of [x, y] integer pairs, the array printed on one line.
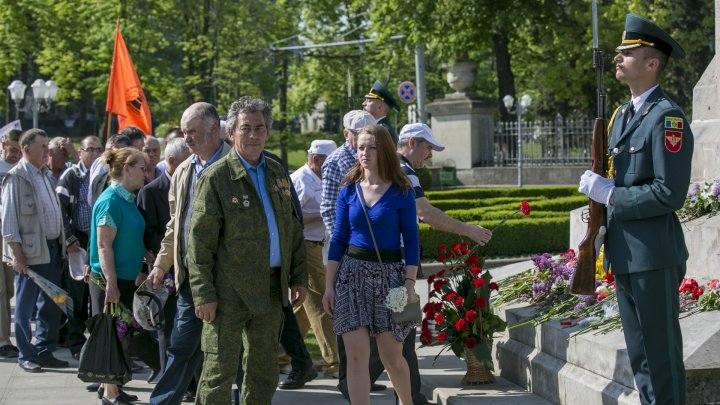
[[308, 185]]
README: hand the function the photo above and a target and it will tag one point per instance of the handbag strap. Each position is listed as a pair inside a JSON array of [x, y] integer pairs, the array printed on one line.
[[372, 235], [367, 217]]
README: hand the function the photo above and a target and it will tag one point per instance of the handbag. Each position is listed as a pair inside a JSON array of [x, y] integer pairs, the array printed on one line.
[[102, 359], [411, 312]]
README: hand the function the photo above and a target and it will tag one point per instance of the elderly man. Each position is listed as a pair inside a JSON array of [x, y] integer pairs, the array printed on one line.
[[173, 133], [308, 184], [11, 153], [200, 124], [33, 237], [379, 102], [246, 249], [60, 151], [152, 149], [72, 192]]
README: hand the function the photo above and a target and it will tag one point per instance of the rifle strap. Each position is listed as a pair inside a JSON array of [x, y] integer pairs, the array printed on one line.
[[611, 165]]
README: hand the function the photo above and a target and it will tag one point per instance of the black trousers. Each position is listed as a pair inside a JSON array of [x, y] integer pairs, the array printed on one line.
[[649, 310]]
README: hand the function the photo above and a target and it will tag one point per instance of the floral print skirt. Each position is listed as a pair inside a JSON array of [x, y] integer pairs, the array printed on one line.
[[360, 297]]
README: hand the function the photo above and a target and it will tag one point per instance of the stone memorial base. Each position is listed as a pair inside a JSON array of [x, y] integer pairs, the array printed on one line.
[[594, 369]]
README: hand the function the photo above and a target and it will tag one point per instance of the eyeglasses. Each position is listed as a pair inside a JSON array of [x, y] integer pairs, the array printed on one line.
[[92, 150]]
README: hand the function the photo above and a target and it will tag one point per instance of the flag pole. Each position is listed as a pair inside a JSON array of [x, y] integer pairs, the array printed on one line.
[[109, 123]]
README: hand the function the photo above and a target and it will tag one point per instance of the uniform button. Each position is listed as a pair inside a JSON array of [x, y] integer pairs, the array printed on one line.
[[616, 150], [632, 149]]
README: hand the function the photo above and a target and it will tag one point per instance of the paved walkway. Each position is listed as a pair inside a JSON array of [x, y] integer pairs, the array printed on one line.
[[441, 384]]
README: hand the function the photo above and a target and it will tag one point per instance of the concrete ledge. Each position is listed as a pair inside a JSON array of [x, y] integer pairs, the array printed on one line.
[[594, 369]]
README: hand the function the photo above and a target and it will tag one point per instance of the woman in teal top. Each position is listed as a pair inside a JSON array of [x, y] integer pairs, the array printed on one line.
[[116, 246]]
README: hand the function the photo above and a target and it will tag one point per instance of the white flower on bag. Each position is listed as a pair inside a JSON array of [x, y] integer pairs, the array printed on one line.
[[396, 299]]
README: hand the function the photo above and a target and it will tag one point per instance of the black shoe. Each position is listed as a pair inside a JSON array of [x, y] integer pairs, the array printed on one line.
[[117, 401], [121, 394], [52, 362], [154, 374], [377, 387], [93, 387], [297, 379], [75, 356], [8, 352], [30, 366], [189, 396]]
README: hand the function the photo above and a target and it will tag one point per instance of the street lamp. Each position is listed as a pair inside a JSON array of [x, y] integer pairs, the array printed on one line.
[[519, 110], [43, 94]]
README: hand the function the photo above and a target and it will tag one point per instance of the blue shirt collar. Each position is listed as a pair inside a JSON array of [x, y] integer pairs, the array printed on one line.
[[248, 166]]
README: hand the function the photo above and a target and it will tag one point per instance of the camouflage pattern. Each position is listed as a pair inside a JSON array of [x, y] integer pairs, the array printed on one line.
[[228, 258]]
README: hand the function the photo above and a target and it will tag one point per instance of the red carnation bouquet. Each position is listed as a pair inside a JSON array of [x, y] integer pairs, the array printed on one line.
[[459, 302]]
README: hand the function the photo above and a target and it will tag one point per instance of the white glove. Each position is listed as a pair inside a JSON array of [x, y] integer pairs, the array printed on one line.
[[596, 187]]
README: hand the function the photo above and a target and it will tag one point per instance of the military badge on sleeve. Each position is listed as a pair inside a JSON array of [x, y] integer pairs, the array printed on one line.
[[673, 134]]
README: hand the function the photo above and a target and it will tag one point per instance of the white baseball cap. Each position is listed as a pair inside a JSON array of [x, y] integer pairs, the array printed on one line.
[[322, 147], [420, 131], [356, 120]]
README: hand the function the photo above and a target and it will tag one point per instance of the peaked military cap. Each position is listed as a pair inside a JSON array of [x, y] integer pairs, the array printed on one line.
[[640, 31], [379, 92]]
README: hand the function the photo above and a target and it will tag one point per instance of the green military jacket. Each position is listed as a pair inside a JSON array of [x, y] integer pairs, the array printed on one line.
[[652, 158], [229, 241]]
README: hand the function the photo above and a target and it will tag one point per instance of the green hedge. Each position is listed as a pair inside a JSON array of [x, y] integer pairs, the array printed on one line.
[[512, 204], [515, 238], [457, 203], [482, 193], [479, 214]]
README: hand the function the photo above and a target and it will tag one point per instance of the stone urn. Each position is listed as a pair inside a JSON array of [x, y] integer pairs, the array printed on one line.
[[460, 77]]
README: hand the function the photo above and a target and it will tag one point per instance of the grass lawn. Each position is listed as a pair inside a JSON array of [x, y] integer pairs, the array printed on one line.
[[296, 158], [312, 346]]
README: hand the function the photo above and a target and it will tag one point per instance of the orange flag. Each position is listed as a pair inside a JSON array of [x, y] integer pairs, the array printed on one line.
[[125, 95]]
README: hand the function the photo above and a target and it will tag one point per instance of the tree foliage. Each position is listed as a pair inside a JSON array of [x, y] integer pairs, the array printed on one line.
[[217, 50]]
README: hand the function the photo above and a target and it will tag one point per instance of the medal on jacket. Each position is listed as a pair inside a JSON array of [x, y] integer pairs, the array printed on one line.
[[246, 202]]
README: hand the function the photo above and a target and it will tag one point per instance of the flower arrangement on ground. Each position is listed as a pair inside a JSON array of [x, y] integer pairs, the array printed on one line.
[[459, 302], [702, 199]]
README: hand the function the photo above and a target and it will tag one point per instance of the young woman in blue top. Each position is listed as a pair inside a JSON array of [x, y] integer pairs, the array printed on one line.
[[116, 242], [357, 282]]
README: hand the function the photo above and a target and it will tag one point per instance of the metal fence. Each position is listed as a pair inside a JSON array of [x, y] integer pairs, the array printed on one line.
[[557, 142]]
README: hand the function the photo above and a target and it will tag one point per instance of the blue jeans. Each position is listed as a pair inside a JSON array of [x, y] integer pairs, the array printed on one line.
[[183, 355], [47, 325]]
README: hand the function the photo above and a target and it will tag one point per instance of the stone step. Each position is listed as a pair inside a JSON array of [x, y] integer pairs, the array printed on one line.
[[549, 361]]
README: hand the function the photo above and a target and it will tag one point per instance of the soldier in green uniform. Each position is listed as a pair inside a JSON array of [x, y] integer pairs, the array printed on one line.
[[651, 147], [246, 250]]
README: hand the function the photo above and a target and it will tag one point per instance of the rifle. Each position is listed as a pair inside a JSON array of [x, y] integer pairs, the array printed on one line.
[[584, 280]]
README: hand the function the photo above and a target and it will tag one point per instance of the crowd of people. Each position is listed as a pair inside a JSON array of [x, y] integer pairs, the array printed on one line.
[[249, 249], [215, 214]]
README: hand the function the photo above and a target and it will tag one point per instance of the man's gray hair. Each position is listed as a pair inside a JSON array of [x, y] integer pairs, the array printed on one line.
[[248, 104], [55, 143], [207, 112], [176, 148], [28, 137], [403, 142]]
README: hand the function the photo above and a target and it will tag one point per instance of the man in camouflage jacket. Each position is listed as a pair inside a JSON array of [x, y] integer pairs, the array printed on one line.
[[246, 249]]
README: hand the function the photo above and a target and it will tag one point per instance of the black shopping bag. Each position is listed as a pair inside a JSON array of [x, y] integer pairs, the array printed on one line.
[[102, 359]]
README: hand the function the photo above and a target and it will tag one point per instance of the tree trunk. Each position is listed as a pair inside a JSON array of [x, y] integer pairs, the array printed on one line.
[[506, 80]]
